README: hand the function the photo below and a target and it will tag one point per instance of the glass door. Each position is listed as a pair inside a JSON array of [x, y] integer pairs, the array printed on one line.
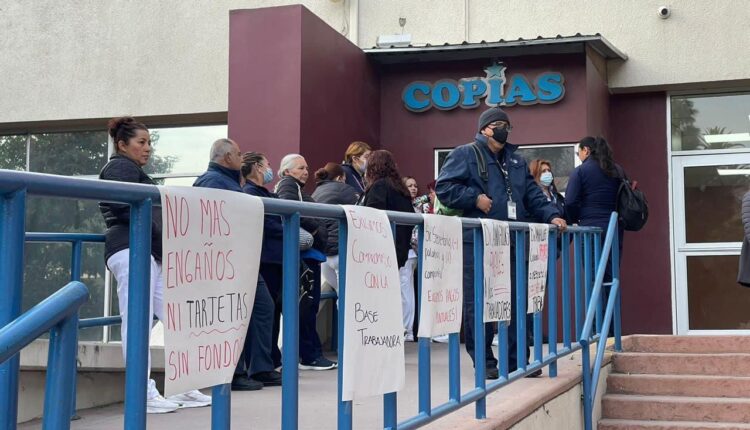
[[708, 232]]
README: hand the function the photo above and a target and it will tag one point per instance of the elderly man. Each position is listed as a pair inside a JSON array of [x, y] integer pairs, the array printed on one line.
[[255, 368], [504, 190]]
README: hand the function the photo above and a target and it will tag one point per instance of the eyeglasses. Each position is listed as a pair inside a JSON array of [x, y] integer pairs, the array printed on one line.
[[501, 125]]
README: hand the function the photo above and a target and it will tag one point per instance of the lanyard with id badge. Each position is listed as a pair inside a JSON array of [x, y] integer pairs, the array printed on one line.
[[511, 204]]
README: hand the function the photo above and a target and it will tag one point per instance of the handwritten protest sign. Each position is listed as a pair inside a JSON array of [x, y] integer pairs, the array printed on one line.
[[442, 267], [497, 304], [211, 253], [538, 252], [374, 332]]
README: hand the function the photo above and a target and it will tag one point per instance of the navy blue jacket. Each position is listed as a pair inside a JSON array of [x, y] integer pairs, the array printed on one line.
[[591, 195], [459, 184], [219, 177], [273, 231], [353, 178]]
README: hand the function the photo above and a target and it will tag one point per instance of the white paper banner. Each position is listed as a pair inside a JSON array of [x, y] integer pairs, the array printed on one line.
[[442, 276], [373, 329], [211, 253], [497, 285], [538, 253]]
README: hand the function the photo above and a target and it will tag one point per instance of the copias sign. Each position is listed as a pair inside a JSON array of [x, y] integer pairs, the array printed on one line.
[[494, 88]]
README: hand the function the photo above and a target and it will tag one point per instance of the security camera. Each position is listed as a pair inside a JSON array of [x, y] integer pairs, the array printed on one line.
[[664, 12]]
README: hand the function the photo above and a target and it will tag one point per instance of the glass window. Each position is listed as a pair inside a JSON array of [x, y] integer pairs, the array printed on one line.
[[718, 191], [182, 150], [76, 153], [711, 122], [715, 301], [13, 152]]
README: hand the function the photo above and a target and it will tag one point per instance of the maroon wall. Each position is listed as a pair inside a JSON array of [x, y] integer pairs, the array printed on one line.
[[340, 94], [638, 134], [298, 86], [597, 97], [412, 137]]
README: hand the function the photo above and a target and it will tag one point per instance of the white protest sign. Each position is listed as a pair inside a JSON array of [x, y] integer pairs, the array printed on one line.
[[442, 276], [497, 304], [373, 328], [211, 253], [538, 252]]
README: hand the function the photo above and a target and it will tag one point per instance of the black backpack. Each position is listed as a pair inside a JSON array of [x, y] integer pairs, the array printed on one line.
[[632, 206]]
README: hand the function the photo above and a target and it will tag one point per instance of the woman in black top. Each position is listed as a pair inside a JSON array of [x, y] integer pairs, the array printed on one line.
[[294, 174], [132, 151], [385, 190]]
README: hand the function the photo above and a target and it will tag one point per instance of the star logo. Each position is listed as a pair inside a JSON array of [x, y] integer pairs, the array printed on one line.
[[496, 70]]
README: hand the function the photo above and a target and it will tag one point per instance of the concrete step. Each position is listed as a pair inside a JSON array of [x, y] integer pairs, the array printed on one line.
[[687, 344], [729, 364], [679, 385], [672, 408], [610, 424]]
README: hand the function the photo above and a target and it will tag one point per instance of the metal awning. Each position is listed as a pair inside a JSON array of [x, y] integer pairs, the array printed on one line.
[[502, 48]]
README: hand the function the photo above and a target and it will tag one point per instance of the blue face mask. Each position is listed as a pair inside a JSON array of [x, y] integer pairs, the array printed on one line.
[[267, 176], [546, 179]]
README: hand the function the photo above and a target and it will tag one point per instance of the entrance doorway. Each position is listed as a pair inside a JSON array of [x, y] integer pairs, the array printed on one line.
[[708, 232]]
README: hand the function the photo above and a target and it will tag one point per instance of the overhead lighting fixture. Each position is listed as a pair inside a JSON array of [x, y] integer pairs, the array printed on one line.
[[735, 137], [733, 172], [394, 40]]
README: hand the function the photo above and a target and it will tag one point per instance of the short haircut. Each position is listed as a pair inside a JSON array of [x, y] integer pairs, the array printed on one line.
[[220, 148]]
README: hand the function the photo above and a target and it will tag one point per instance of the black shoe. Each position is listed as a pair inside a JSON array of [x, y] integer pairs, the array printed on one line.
[[268, 379], [535, 374], [491, 373], [320, 363], [243, 383]]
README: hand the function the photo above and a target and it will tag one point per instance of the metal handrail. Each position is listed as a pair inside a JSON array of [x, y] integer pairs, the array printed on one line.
[[15, 185], [58, 313], [591, 376]]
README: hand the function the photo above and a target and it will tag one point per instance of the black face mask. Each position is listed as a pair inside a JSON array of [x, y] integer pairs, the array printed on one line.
[[500, 134]]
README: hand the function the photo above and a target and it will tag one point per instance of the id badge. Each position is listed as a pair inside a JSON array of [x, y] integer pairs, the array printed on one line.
[[511, 210]]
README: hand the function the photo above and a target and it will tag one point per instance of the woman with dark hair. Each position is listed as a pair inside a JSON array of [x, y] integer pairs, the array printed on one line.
[[541, 170], [332, 189], [132, 150], [591, 196], [386, 191]]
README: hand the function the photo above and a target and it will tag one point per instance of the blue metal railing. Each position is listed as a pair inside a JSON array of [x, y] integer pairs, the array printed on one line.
[[58, 313], [594, 314], [15, 185]]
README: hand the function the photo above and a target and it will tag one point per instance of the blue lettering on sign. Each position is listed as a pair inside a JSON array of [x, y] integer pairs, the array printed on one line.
[[445, 95], [467, 93]]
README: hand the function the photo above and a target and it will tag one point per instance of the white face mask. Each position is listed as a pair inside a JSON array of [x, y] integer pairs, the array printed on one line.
[[546, 179]]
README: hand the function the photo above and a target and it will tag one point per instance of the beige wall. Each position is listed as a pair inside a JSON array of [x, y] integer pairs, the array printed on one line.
[[93, 59]]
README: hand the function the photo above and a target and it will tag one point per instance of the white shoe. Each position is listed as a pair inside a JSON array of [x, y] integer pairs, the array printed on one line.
[[160, 405], [444, 338], [408, 337], [495, 341], [191, 399]]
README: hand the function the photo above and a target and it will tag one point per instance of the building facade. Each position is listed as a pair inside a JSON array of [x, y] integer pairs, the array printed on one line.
[[667, 85]]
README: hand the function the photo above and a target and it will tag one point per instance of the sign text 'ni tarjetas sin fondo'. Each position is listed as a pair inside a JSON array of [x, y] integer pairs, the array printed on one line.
[[494, 88], [373, 323], [211, 254]]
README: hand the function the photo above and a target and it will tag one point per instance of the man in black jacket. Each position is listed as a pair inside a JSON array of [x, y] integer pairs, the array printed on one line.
[[255, 368]]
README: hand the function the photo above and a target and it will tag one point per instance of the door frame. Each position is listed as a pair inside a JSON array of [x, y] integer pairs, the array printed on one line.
[[681, 249]]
